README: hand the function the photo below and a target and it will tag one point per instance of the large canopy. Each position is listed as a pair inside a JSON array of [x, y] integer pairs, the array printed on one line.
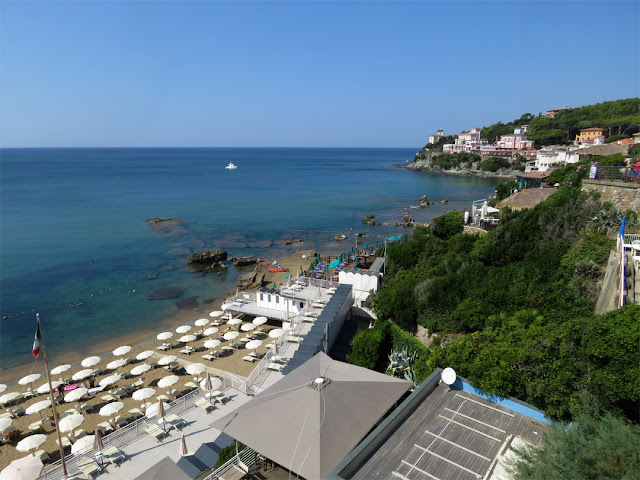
[[321, 410], [165, 469]]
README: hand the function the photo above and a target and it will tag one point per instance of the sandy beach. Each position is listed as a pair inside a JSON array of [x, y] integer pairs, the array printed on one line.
[[139, 341]]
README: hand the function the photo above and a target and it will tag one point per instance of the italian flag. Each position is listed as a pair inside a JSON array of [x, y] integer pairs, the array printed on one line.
[[36, 343]]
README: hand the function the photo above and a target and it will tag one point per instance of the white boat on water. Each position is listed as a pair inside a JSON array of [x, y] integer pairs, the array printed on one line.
[[231, 166]]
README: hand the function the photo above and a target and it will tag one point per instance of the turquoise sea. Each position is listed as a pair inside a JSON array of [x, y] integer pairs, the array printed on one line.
[[73, 227]]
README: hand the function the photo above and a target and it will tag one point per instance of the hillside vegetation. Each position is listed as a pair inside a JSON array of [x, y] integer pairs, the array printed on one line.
[[512, 310], [618, 118]]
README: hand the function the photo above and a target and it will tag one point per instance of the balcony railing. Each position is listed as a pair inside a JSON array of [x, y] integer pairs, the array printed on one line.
[[613, 174]]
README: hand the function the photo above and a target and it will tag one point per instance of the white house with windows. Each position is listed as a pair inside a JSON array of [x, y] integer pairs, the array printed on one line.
[[515, 141], [465, 142]]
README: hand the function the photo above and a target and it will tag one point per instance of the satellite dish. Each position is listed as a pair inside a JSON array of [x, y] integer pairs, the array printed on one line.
[[449, 376]]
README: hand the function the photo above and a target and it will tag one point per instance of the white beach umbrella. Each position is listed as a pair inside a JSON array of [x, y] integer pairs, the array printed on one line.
[[183, 329], [276, 333], [25, 468], [75, 395], [8, 397], [166, 382], [116, 364], [196, 368], [216, 313], [231, 335], [143, 394], [84, 444], [152, 411], [44, 388], [216, 383], [27, 379], [144, 355], [90, 361], [201, 322], [70, 422], [3, 387], [82, 374], [187, 338], [234, 321], [211, 331], [260, 320], [31, 442], [110, 380], [5, 423], [60, 369], [38, 406], [253, 344], [140, 369], [118, 352], [167, 359], [247, 327], [212, 343], [111, 409], [164, 335]]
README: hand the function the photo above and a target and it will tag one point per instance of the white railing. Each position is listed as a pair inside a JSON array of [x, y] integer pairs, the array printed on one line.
[[629, 238], [247, 456], [120, 438]]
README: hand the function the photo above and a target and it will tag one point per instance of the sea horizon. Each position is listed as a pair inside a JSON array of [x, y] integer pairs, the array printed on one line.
[[76, 247]]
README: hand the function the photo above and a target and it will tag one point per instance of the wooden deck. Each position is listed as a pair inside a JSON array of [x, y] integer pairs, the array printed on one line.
[[453, 435]]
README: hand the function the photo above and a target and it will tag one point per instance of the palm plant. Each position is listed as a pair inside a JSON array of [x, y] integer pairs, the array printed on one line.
[[401, 364]]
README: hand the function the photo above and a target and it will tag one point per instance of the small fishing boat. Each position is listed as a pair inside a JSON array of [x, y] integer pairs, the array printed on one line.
[[279, 269], [231, 166]]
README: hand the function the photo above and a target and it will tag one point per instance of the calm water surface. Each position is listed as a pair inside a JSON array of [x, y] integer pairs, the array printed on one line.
[[73, 228]]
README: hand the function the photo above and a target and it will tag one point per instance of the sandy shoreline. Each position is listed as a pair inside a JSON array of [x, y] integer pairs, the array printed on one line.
[[142, 335], [139, 340]]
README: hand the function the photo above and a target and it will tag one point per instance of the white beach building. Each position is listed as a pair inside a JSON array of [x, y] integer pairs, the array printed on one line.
[[363, 283]]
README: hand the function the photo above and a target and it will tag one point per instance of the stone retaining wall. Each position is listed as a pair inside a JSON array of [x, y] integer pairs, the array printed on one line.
[[623, 195]]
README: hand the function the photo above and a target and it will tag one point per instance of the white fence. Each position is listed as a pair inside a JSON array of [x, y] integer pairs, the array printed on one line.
[[120, 438]]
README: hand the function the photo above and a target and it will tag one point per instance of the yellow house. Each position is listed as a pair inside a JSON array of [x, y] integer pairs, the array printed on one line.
[[589, 134]]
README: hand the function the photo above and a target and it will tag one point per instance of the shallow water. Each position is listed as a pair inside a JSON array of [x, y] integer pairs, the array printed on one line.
[[74, 231]]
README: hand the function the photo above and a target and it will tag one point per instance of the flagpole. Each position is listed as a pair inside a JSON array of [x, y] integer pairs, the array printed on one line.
[[53, 401]]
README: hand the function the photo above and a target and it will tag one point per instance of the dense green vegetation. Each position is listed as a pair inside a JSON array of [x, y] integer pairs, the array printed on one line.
[[619, 118], [227, 453], [598, 446], [512, 310]]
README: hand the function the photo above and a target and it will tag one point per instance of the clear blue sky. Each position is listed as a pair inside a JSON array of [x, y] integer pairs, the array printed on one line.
[[298, 73]]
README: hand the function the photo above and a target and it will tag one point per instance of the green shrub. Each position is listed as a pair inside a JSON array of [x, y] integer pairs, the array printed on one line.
[[493, 164], [227, 453], [448, 225], [370, 347]]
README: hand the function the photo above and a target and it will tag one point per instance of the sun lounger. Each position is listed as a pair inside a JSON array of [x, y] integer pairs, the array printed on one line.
[[191, 385], [17, 412], [27, 395], [228, 348], [120, 421], [65, 442], [42, 455], [78, 434], [108, 398], [35, 426], [175, 421], [163, 398], [249, 358], [155, 431], [219, 396], [203, 404], [86, 408], [275, 366], [175, 393], [186, 352], [211, 358], [105, 427], [113, 455], [163, 347], [136, 413], [89, 467], [294, 339]]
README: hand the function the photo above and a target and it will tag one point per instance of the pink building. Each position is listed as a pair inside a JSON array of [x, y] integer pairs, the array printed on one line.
[[466, 142], [515, 141]]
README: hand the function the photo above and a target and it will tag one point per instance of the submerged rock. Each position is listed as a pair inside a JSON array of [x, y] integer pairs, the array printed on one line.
[[188, 304], [166, 293], [244, 261], [369, 219], [168, 226], [341, 236]]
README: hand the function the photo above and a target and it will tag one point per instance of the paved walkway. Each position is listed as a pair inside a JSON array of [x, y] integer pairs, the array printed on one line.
[[146, 451]]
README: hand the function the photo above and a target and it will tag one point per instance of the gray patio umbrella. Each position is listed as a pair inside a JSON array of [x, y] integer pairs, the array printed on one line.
[[336, 405], [165, 469]]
